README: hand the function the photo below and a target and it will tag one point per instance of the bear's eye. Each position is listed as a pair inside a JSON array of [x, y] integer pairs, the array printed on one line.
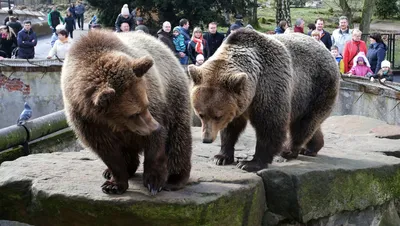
[[134, 115], [217, 118]]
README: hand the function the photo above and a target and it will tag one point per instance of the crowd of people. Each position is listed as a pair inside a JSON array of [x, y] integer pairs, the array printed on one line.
[[351, 53]]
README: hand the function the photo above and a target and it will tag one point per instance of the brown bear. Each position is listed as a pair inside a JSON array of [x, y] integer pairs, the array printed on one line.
[[125, 94], [284, 84]]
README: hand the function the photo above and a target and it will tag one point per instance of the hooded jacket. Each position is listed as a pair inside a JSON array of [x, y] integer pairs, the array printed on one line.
[[376, 54]]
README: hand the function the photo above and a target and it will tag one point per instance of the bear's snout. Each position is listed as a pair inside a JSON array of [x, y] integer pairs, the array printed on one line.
[[207, 140]]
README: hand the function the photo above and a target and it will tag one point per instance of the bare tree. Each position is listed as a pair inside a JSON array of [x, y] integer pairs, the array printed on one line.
[[283, 11], [367, 12]]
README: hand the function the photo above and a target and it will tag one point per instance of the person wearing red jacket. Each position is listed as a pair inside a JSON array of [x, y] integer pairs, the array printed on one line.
[[352, 48]]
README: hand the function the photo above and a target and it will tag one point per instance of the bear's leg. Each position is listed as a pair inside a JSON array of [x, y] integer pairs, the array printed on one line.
[[132, 165], [179, 151], [270, 139], [229, 137], [302, 132], [118, 182], [155, 163], [314, 145]]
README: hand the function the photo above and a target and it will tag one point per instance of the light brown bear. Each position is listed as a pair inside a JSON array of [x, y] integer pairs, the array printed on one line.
[[124, 94], [284, 84]]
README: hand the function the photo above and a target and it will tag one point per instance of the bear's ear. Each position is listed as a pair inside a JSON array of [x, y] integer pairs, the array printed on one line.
[[103, 96], [236, 82], [195, 74], [141, 65]]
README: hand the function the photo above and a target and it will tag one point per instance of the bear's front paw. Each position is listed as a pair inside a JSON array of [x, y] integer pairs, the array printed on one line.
[[107, 174], [251, 166], [155, 180], [111, 187], [308, 152], [290, 155], [223, 159]]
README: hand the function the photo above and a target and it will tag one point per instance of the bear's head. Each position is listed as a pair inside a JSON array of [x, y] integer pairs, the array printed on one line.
[[118, 93], [218, 96]]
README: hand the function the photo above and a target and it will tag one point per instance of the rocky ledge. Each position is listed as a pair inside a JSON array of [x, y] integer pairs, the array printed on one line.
[[354, 180]]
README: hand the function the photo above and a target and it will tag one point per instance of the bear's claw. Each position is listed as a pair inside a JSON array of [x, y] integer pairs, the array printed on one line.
[[153, 191], [308, 152], [222, 159], [107, 174], [251, 166], [110, 187]]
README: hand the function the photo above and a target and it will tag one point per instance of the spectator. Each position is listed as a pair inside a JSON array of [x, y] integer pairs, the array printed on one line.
[[361, 66], [341, 35], [299, 26], [317, 36], [125, 27], [197, 45], [61, 46], [14, 24], [10, 14], [325, 36], [233, 28], [338, 58], [26, 41], [124, 17], [199, 59], [180, 47], [71, 9], [213, 38], [141, 26], [54, 18], [249, 27], [385, 73], [165, 35], [184, 30], [69, 24], [376, 52], [8, 41], [80, 14], [93, 21], [352, 48], [311, 27], [280, 29], [239, 22]]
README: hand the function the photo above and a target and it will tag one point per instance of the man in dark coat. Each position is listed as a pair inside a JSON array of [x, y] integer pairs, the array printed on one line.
[[239, 22], [166, 36], [26, 41], [213, 38]]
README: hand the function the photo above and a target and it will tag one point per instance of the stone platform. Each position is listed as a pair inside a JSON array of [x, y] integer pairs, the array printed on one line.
[[355, 180]]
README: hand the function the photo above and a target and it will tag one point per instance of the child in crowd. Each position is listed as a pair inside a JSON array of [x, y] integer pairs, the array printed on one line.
[[180, 47], [317, 36], [338, 57], [385, 73], [199, 59], [361, 66]]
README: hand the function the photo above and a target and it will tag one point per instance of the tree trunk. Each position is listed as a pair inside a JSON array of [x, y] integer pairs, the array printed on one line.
[[253, 20], [367, 12], [346, 11], [283, 11]]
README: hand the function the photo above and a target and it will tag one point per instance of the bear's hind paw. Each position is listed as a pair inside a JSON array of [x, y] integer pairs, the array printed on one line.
[[110, 187], [107, 174], [222, 159]]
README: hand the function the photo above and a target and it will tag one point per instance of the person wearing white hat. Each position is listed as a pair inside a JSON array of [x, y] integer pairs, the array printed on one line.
[[125, 17], [385, 73]]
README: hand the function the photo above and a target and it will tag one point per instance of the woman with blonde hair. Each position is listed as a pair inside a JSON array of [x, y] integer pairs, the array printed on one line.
[[352, 48], [8, 41], [197, 45]]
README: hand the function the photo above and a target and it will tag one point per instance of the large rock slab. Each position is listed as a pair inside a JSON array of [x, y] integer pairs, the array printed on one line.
[[64, 189]]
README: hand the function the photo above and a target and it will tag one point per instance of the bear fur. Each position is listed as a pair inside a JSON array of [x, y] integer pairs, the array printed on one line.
[[124, 94], [286, 85]]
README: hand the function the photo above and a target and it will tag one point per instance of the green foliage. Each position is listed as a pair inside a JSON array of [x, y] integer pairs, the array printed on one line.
[[198, 12], [386, 8]]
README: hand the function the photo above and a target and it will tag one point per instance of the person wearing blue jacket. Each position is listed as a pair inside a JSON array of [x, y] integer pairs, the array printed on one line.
[[26, 41], [376, 52], [79, 12]]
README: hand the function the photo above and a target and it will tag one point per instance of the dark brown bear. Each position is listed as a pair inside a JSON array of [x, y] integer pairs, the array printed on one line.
[[284, 84], [125, 94]]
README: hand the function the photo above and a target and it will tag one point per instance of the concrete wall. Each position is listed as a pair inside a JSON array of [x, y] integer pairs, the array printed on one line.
[[34, 85], [40, 87]]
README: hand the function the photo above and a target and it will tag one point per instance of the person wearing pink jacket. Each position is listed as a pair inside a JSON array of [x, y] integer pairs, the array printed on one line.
[[361, 66]]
